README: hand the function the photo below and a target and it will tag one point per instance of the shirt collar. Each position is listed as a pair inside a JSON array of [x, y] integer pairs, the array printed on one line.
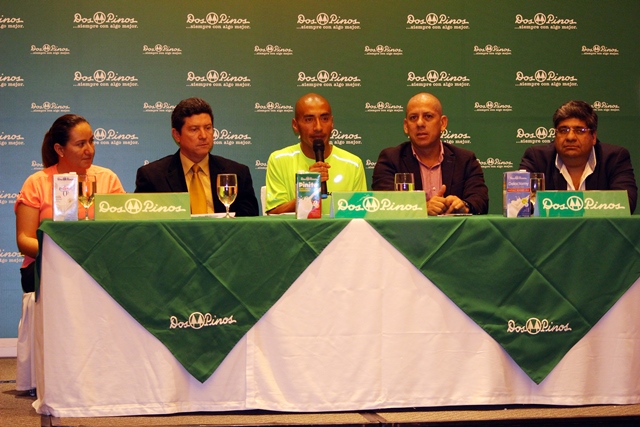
[[188, 164], [440, 159], [588, 170]]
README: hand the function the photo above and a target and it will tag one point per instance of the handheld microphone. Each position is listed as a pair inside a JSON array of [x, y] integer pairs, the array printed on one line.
[[318, 149]]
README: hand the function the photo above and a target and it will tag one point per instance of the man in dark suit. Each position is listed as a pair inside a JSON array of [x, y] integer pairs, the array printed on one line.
[[192, 129], [577, 160], [450, 176]]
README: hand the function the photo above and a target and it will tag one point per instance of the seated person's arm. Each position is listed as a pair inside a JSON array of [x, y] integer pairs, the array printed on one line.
[[285, 207], [622, 177], [383, 173], [475, 192], [277, 190], [27, 222], [143, 184]]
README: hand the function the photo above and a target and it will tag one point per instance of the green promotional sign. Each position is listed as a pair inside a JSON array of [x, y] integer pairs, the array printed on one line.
[[582, 203], [142, 206], [379, 204]]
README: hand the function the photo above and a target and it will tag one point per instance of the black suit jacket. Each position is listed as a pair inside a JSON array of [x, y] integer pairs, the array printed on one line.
[[613, 169], [166, 176], [461, 173]]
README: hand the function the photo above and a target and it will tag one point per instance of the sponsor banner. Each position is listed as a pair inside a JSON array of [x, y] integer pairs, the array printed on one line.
[[434, 78], [541, 135], [104, 20], [113, 137], [142, 206], [217, 21], [582, 203], [327, 21], [379, 204], [435, 21], [545, 21], [11, 139]]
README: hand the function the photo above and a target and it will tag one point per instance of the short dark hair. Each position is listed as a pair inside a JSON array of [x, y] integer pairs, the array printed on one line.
[[576, 110], [187, 108], [58, 134]]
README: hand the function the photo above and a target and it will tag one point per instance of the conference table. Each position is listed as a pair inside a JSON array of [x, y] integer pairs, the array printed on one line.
[[274, 313]]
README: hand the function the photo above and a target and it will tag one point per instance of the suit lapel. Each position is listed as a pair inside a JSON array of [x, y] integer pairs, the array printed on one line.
[[448, 164], [175, 175], [411, 164]]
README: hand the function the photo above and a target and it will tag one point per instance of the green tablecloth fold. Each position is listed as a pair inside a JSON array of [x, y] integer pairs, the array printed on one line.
[[536, 285], [195, 287]]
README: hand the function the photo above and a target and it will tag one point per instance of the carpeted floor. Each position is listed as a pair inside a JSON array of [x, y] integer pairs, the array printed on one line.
[[16, 411]]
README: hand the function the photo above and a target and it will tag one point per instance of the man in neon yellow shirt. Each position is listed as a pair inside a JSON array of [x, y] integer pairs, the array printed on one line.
[[341, 170]]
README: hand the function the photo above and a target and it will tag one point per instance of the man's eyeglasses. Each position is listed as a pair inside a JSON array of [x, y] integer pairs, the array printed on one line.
[[564, 130]]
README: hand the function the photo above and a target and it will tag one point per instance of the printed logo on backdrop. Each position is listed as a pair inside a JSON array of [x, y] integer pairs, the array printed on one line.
[[325, 21], [495, 163], [491, 106], [434, 21], [11, 81], [7, 198], [49, 107], [36, 165], [260, 165], [455, 138], [101, 20], [382, 50], [382, 107], [101, 78], [541, 135], [542, 21], [339, 138], [8, 139], [273, 107], [158, 107], [226, 137], [491, 49], [605, 106], [214, 78], [9, 22], [161, 49], [272, 50], [113, 137], [49, 49], [600, 50], [325, 78], [10, 256], [370, 164], [214, 21], [542, 78], [435, 78]]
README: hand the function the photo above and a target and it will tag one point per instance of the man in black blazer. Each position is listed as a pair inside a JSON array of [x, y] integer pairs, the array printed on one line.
[[451, 177], [577, 160], [192, 129]]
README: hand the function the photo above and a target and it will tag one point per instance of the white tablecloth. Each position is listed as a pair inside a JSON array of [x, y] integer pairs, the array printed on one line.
[[361, 328]]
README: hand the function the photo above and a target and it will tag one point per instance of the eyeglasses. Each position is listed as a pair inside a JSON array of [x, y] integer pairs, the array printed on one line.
[[565, 130]]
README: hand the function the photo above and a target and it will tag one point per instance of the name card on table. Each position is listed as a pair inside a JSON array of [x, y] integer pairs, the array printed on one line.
[[142, 206], [379, 204], [582, 203]]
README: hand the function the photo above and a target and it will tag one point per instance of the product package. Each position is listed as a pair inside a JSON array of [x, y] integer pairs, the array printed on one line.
[[515, 194], [308, 197], [65, 197]]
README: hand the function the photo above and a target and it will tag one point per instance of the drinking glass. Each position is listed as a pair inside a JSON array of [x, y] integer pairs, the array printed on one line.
[[403, 182], [227, 184], [536, 184], [86, 191]]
